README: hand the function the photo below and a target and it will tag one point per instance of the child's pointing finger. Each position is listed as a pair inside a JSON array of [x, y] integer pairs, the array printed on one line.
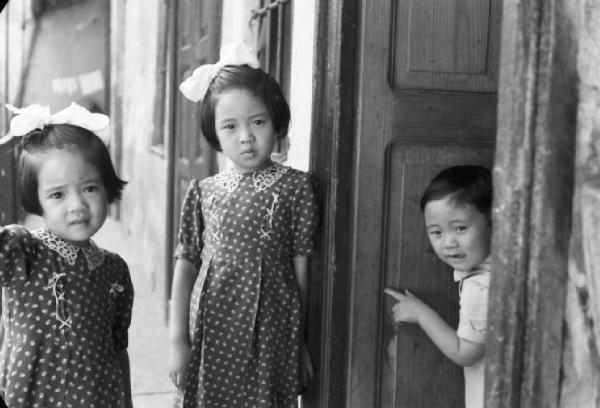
[[396, 295]]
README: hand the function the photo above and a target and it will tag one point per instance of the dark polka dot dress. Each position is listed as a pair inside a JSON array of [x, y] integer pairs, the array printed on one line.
[[66, 311], [242, 232]]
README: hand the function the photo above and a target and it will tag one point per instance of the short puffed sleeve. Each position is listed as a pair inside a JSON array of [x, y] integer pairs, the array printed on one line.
[[123, 306], [16, 248], [305, 216], [191, 225], [472, 324]]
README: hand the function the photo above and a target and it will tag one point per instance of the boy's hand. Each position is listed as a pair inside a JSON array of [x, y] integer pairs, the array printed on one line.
[[409, 307]]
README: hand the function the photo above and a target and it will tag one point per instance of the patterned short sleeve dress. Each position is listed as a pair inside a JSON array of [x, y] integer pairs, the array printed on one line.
[[65, 310], [242, 232]]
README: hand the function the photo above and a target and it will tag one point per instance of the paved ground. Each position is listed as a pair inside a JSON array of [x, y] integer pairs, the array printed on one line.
[[148, 337]]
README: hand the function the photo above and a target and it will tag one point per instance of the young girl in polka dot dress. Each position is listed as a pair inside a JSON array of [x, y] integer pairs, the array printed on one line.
[[66, 302], [240, 284]]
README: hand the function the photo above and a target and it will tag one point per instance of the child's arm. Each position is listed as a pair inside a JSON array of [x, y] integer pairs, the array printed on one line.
[[179, 353], [411, 309], [124, 362], [122, 321], [301, 269]]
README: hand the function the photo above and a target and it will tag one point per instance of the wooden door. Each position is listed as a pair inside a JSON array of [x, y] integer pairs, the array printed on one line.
[[198, 42], [426, 99]]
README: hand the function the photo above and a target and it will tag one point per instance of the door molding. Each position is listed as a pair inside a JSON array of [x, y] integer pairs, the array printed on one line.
[[334, 105]]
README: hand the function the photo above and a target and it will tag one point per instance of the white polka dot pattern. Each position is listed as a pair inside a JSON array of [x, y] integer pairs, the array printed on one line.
[[44, 363], [244, 310]]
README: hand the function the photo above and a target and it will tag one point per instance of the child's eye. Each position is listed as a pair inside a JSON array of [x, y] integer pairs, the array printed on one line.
[[229, 126], [259, 122], [435, 233], [56, 195], [90, 189], [460, 228]]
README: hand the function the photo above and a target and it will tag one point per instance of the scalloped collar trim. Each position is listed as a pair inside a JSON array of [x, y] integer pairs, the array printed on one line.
[[261, 179], [94, 255]]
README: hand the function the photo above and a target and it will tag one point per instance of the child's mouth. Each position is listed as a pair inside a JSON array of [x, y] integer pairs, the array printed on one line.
[[455, 256]]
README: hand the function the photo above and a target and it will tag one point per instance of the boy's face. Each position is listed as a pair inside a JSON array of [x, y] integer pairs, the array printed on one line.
[[460, 235]]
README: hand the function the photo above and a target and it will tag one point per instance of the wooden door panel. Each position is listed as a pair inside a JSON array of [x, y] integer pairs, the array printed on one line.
[[411, 365], [451, 115], [445, 44], [414, 117]]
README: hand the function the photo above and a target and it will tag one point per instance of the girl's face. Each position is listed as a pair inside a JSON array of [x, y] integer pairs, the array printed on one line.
[[72, 195], [460, 235], [244, 129]]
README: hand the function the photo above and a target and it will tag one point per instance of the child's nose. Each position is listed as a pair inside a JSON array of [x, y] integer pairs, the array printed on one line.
[[76, 202], [246, 134], [450, 241]]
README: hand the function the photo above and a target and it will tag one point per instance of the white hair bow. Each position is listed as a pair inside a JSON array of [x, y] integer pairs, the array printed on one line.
[[36, 117], [194, 88]]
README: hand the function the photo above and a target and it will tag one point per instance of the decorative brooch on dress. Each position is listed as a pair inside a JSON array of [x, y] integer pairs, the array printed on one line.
[[116, 288]]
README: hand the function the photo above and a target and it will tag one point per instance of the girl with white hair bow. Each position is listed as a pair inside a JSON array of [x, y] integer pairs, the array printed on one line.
[[237, 327], [67, 302]]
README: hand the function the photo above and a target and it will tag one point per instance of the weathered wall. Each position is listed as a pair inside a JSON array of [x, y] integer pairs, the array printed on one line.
[[301, 86], [581, 358], [16, 30], [68, 59], [143, 206]]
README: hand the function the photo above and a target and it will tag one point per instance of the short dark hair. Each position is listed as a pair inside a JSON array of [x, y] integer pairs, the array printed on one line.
[[465, 185], [255, 80], [63, 136]]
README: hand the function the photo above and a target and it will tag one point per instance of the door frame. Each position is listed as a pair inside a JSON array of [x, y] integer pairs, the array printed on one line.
[[331, 161]]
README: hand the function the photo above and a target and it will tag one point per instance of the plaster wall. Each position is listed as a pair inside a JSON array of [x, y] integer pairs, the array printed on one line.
[[143, 206], [68, 60], [581, 350], [16, 30], [301, 86]]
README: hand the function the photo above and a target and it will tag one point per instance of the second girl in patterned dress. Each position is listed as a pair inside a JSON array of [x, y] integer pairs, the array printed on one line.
[[66, 302], [237, 337]]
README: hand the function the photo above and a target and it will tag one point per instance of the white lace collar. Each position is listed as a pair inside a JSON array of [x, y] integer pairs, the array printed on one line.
[[92, 253], [261, 179]]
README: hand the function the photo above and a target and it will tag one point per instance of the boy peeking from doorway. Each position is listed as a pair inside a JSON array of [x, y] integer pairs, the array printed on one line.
[[457, 210]]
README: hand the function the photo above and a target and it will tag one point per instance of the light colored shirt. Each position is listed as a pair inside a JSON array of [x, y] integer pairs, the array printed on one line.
[[473, 290]]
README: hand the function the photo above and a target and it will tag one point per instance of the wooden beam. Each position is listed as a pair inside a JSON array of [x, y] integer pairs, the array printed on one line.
[[533, 183], [331, 163]]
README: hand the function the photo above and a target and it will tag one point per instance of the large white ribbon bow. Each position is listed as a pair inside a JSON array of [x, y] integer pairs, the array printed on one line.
[[36, 117], [195, 86]]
